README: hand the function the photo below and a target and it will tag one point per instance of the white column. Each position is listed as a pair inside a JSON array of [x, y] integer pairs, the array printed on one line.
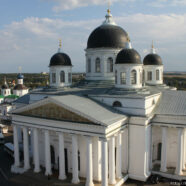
[[26, 148], [48, 170], [184, 149], [104, 158], [89, 178], [112, 169], [36, 150], [16, 147], [75, 174], [125, 151], [164, 150], [180, 152], [118, 156], [96, 159], [62, 175]]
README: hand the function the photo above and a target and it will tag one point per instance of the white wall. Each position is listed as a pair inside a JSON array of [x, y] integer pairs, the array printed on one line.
[[20, 92], [103, 54], [57, 70], [131, 105], [139, 152], [127, 68], [153, 69]]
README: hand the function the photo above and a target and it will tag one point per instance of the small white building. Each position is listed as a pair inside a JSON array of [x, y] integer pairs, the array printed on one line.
[[20, 89], [108, 127]]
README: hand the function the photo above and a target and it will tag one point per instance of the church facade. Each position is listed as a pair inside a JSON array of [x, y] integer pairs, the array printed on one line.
[[120, 122]]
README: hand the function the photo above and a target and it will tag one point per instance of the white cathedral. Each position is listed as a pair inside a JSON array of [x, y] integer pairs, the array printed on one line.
[[120, 122]]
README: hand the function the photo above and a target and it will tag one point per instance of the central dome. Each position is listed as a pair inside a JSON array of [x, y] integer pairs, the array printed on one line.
[[107, 36]]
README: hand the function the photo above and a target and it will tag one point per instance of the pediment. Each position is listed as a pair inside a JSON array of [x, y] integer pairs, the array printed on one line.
[[54, 112]]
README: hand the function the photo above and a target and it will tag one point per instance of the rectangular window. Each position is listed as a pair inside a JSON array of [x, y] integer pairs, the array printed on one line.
[[116, 77], [53, 77], [89, 65], [69, 77], [123, 78], [157, 75], [149, 76]]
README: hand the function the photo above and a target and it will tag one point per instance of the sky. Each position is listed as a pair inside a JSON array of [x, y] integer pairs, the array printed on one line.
[[30, 30]]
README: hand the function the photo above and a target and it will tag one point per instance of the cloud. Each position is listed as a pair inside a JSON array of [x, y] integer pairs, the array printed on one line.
[[165, 3], [31, 42], [72, 4]]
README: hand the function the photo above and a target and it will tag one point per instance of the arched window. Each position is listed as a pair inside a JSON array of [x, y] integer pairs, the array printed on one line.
[[89, 65], [143, 77], [117, 104], [98, 65], [69, 77], [133, 77], [53, 77], [109, 65], [157, 75], [116, 77], [149, 75], [62, 76], [123, 78]]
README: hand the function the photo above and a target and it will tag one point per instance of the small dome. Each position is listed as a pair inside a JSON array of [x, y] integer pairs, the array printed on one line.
[[128, 56], [60, 59], [152, 59], [4, 86], [20, 76], [107, 36]]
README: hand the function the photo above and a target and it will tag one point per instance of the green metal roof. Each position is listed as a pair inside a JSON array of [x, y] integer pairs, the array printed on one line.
[[12, 96], [1, 96]]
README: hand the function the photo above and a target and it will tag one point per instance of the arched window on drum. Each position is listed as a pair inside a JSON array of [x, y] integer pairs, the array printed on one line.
[[109, 65], [98, 65], [62, 76], [133, 77]]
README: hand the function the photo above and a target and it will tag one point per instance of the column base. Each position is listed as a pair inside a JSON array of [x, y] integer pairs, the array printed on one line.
[[62, 177], [75, 181], [179, 173], [36, 170], [26, 168], [89, 184], [48, 173], [163, 170], [112, 182]]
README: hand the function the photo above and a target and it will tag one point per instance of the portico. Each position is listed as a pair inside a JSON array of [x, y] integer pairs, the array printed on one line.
[[66, 135]]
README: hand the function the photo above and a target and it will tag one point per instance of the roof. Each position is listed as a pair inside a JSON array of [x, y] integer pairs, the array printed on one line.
[[172, 103], [83, 106], [89, 108], [20, 87], [107, 36], [60, 59], [152, 59], [12, 96], [23, 99], [5, 86], [1, 96], [128, 56]]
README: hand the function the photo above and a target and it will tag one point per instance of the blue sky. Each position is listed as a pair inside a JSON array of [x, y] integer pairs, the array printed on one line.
[[30, 30]]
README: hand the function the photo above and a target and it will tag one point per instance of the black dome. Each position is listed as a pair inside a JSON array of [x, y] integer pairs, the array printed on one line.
[[109, 36], [60, 59], [152, 59], [128, 56], [4, 86]]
